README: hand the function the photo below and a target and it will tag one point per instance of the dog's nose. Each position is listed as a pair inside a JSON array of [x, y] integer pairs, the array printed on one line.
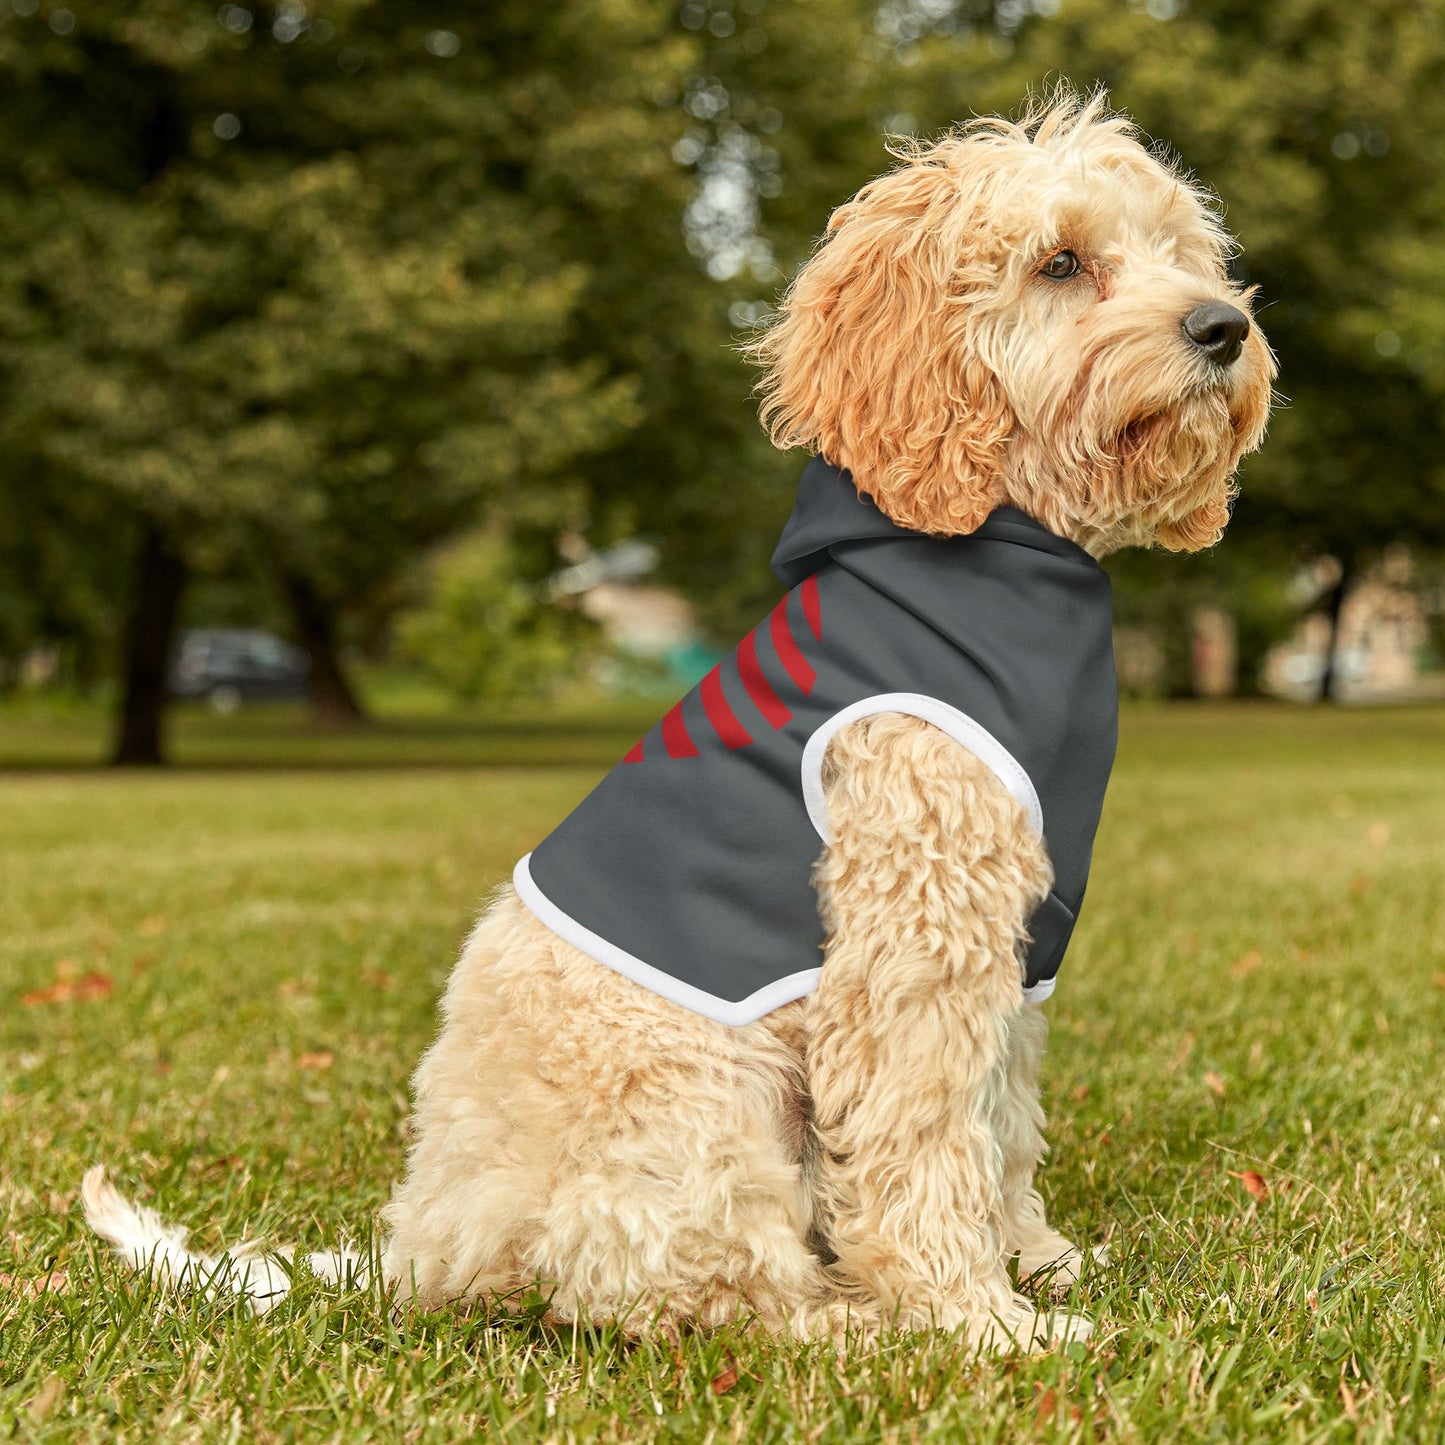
[[1218, 330]]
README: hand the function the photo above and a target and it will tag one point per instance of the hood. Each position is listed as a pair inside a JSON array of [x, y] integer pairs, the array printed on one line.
[[830, 512]]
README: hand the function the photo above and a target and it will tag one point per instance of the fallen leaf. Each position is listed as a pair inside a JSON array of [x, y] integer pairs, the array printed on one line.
[[1047, 1407], [1440, 980], [322, 1059], [151, 927], [1214, 1083], [56, 993], [56, 1282], [65, 990], [1080, 1094], [1360, 885], [377, 978], [1247, 963], [1254, 1183], [724, 1382]]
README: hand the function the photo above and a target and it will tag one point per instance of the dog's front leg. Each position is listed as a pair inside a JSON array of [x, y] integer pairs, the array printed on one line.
[[926, 887]]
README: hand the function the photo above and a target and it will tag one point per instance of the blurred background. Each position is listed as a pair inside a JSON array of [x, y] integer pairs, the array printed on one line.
[[366, 362]]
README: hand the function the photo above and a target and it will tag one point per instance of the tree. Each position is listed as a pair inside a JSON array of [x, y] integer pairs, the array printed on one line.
[[779, 115], [292, 283]]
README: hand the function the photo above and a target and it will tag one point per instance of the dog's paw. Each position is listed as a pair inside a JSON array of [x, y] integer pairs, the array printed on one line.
[[1058, 1271], [1023, 1326], [1059, 1328]]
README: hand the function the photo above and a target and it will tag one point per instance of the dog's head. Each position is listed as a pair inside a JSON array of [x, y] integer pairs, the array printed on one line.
[[1035, 313]]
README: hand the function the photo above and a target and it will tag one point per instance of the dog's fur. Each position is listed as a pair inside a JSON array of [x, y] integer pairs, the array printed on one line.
[[864, 1156]]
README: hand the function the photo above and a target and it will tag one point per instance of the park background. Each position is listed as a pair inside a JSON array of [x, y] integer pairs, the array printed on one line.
[[359, 327], [407, 333]]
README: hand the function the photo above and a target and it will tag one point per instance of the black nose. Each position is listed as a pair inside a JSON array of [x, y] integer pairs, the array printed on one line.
[[1218, 331]]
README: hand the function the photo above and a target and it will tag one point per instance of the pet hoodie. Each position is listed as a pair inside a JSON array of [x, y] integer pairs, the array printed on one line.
[[688, 868]]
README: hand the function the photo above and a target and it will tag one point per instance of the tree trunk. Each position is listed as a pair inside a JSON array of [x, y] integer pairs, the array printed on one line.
[[160, 578], [333, 699], [1329, 676]]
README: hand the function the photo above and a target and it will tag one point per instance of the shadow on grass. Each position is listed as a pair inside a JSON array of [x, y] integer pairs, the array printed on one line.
[[284, 738]]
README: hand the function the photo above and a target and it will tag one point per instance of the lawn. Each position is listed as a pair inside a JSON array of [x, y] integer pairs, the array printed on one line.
[[217, 979]]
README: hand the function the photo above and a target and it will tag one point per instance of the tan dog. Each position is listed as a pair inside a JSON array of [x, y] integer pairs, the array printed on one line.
[[1034, 314]]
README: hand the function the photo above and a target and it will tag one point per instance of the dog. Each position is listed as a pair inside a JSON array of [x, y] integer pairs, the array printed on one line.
[[700, 1064]]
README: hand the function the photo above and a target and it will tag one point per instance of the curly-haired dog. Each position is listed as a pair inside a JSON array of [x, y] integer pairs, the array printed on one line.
[[1018, 351]]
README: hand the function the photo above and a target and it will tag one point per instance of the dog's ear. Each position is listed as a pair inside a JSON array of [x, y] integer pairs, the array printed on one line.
[[873, 358]]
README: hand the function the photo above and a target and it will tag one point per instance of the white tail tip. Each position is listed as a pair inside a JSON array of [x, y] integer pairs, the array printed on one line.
[[148, 1244]]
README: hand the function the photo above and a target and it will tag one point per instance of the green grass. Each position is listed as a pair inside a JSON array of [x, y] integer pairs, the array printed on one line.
[[1256, 985]]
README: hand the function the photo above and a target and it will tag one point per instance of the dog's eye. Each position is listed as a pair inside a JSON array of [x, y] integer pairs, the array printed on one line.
[[1060, 266]]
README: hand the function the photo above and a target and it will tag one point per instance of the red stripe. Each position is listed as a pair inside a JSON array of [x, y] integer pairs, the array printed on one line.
[[812, 610], [719, 714], [674, 735], [759, 688], [798, 666], [635, 756]]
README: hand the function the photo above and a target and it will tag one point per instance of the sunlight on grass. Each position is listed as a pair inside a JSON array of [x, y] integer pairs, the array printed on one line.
[[217, 981]]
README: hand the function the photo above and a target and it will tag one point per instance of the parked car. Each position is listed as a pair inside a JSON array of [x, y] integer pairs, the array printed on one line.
[[230, 665]]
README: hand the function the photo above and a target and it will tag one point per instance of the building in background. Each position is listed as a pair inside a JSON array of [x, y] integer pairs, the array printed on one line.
[[1382, 647], [655, 641]]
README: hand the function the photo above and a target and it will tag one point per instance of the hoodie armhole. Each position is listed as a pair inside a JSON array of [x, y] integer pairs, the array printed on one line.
[[946, 718]]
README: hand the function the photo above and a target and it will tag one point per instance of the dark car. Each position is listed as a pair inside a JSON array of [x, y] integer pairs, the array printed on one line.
[[231, 665]]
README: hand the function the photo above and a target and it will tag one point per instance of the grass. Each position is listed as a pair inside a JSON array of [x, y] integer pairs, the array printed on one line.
[[251, 959]]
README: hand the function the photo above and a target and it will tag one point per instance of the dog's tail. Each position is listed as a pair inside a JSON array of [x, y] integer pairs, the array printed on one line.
[[147, 1243]]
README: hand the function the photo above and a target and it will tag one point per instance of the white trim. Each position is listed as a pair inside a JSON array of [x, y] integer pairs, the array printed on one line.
[[745, 1011], [1040, 991], [958, 725]]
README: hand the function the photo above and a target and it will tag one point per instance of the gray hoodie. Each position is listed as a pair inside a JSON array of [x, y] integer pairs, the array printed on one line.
[[688, 868]]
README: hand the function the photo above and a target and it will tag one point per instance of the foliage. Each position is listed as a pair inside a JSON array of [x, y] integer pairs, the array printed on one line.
[[61, 569], [323, 286], [782, 110], [486, 633], [287, 285], [313, 288], [1253, 988]]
